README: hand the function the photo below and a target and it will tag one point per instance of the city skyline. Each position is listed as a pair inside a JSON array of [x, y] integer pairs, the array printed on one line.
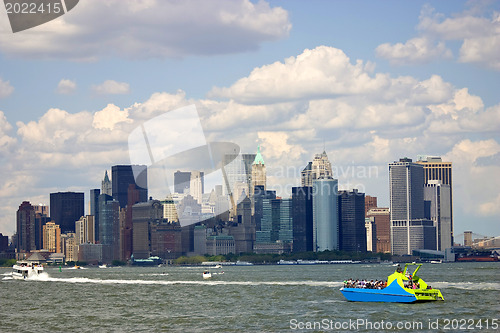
[[360, 89]]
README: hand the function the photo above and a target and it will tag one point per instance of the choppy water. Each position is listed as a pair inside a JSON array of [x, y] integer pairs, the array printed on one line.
[[254, 298]]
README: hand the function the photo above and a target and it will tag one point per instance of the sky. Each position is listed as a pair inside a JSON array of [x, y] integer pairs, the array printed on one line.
[[369, 82]]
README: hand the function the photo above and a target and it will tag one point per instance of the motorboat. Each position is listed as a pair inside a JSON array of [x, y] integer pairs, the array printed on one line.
[[207, 275], [23, 270], [103, 266], [402, 286]]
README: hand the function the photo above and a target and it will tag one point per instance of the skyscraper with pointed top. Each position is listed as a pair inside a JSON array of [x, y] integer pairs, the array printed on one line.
[[106, 185], [319, 168], [258, 172]]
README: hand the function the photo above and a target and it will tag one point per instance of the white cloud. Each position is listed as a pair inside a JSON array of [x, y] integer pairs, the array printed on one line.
[[111, 87], [5, 89], [66, 87], [109, 117], [317, 73], [417, 50], [479, 35], [150, 29]]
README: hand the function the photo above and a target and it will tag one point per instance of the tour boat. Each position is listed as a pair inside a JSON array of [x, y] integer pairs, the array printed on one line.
[[23, 270], [401, 288], [207, 275]]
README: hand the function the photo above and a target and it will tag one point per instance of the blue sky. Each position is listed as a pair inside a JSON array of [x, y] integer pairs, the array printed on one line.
[[371, 81]]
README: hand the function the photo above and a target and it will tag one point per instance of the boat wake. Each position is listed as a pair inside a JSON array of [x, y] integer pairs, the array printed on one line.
[[45, 277], [467, 285]]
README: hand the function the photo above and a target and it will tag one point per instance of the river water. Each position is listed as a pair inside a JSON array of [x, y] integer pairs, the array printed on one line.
[[243, 299]]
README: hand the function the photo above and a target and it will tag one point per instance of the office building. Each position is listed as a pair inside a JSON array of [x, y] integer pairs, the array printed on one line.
[[238, 174], [259, 175], [182, 181], [285, 233], [260, 194], [319, 168], [143, 214], [94, 210], [437, 198], [370, 202], [325, 215], [270, 222], [380, 217], [302, 218], [409, 228], [243, 228], [66, 208], [106, 185], [124, 175], [196, 186], [52, 237], [109, 228], [352, 230], [84, 230], [25, 231], [371, 235]]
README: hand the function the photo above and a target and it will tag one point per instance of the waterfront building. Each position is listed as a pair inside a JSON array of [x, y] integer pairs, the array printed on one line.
[[325, 214], [438, 172], [200, 240], [124, 175], [84, 230], [109, 229], [165, 239], [380, 217], [94, 210], [319, 168], [143, 214], [25, 231], [437, 198], [69, 247], [243, 228], [220, 244], [52, 237], [352, 230], [409, 228], [66, 208], [371, 235], [302, 218]]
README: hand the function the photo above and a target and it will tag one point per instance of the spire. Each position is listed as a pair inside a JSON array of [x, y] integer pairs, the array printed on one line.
[[258, 157], [106, 178]]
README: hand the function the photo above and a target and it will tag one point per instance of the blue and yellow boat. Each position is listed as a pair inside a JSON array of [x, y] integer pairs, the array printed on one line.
[[402, 287]]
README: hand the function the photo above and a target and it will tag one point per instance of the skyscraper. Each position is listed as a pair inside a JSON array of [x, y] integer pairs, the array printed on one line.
[[381, 218], [270, 222], [325, 214], [409, 228], [109, 228], [319, 168], [66, 208], [259, 195], [258, 172], [352, 231], [439, 172], [84, 230], [52, 237], [122, 176], [285, 233], [302, 217], [182, 181], [106, 185], [94, 209], [196, 185], [25, 227], [238, 170]]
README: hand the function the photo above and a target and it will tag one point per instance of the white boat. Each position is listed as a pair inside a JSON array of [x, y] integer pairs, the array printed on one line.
[[23, 270], [243, 263], [103, 266], [207, 275], [437, 261]]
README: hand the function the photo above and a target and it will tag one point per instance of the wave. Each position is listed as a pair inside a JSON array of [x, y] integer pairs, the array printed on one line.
[[45, 277], [467, 285]]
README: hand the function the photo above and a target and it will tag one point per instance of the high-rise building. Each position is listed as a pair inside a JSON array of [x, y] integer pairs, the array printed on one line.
[[371, 235], [124, 175], [52, 237], [109, 228], [370, 202], [270, 222], [143, 214], [66, 208], [182, 181], [196, 186], [106, 185], [238, 174], [409, 228], [382, 221], [258, 172], [285, 233], [325, 214], [259, 195], [436, 171], [243, 228], [352, 230], [302, 217], [41, 218], [69, 247], [84, 230], [437, 198], [94, 209], [319, 168], [25, 227]]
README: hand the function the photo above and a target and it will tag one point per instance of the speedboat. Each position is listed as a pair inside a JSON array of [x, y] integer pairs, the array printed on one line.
[[103, 266], [402, 287], [23, 270], [207, 275]]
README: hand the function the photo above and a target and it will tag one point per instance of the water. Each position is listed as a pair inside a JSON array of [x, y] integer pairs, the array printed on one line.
[[254, 298]]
